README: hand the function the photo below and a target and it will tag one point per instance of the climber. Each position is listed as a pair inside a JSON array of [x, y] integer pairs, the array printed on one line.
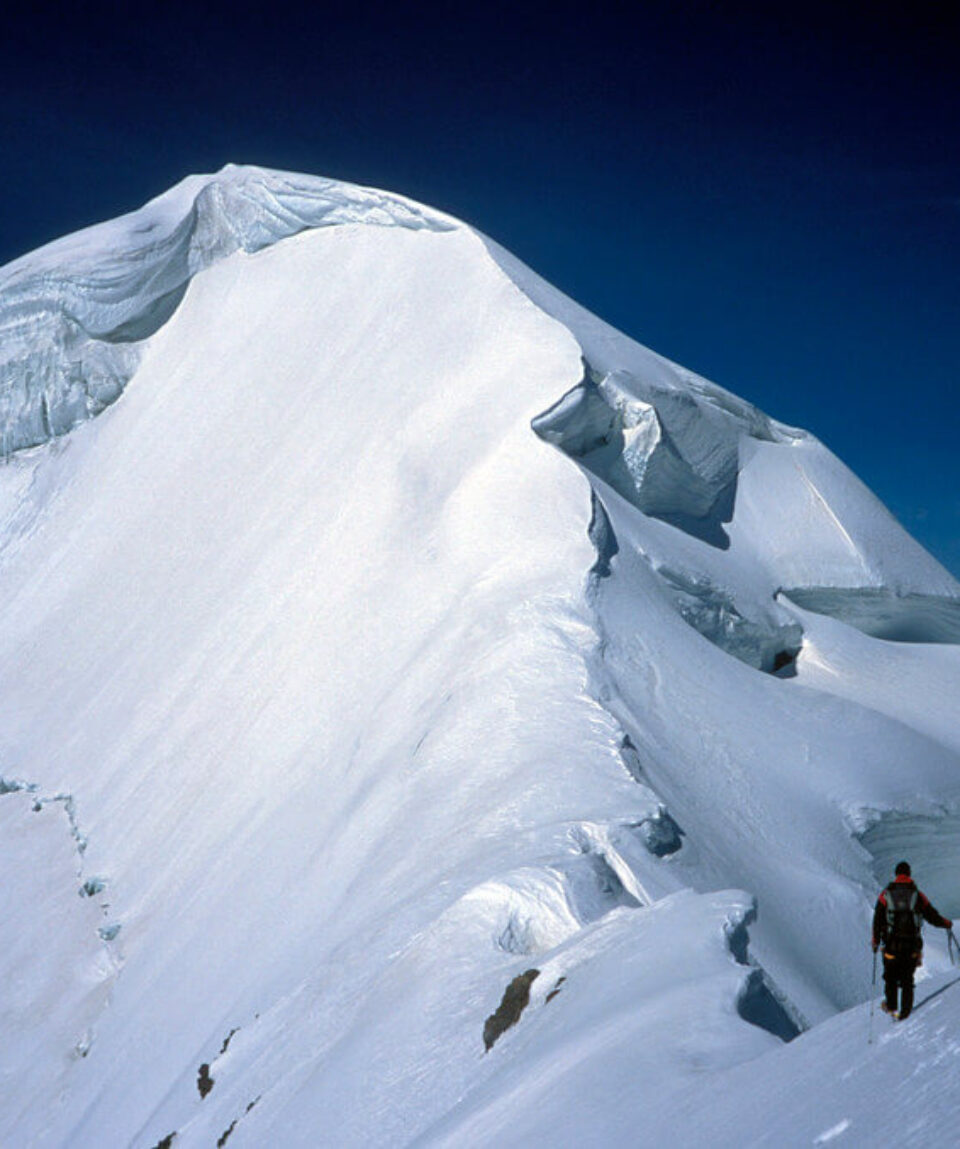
[[896, 926]]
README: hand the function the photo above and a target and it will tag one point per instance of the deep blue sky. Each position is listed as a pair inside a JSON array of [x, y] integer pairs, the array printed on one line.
[[771, 199]]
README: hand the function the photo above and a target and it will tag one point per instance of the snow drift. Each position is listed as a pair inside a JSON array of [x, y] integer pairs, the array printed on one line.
[[390, 646]]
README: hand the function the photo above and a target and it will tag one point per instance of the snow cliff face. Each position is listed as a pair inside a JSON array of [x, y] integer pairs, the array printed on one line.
[[422, 707]]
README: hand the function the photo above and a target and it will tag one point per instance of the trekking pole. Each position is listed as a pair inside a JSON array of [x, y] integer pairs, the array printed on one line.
[[873, 999]]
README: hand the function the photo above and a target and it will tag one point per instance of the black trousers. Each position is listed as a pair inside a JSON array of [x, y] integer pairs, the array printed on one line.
[[898, 970]]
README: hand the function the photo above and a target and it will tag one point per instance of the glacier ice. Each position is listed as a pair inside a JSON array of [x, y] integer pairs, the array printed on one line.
[[882, 613], [768, 639], [670, 453], [74, 316]]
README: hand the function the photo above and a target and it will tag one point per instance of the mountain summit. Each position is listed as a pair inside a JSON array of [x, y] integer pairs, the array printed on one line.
[[429, 717]]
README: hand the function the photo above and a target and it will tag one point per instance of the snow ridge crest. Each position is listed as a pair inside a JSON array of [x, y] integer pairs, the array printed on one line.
[[74, 316]]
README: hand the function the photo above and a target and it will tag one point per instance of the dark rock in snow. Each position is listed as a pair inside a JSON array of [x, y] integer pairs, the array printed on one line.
[[204, 1080], [516, 997], [556, 989], [222, 1139]]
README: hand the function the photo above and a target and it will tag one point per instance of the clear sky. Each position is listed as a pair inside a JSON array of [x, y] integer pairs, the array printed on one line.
[[769, 196]]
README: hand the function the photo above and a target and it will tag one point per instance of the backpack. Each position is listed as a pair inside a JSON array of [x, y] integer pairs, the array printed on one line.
[[903, 916]]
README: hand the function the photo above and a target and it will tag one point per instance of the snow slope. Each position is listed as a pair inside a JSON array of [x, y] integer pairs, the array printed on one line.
[[852, 1080], [379, 627]]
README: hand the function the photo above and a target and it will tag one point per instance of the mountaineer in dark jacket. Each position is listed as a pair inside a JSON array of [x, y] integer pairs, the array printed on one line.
[[896, 925]]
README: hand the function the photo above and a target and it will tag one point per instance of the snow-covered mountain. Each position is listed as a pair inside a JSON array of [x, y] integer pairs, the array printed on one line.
[[429, 717]]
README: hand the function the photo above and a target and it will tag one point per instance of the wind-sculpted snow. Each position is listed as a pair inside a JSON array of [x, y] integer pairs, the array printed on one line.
[[484, 729], [672, 454], [74, 316], [852, 1081]]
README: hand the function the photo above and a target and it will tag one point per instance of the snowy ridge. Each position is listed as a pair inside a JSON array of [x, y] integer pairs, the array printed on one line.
[[821, 1089], [74, 315], [418, 651]]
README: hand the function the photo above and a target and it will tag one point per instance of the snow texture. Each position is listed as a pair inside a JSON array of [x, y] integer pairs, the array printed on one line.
[[399, 648], [75, 314]]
